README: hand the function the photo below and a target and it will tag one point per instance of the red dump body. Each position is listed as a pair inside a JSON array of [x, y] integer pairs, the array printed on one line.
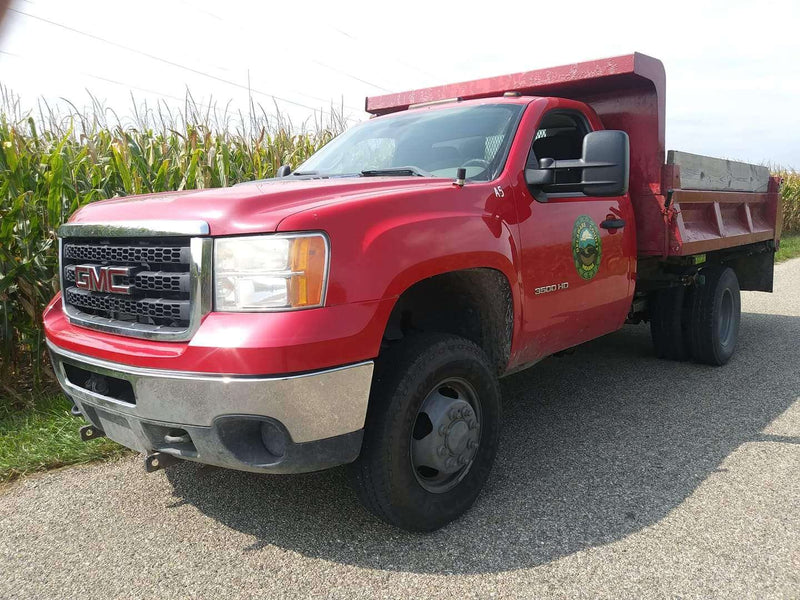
[[628, 93]]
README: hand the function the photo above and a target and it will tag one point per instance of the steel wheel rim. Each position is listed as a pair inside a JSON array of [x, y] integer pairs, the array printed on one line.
[[446, 435], [726, 318]]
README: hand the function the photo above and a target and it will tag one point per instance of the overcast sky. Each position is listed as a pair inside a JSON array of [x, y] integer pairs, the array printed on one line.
[[733, 68]]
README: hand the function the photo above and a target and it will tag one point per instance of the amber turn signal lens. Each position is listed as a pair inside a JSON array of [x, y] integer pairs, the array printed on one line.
[[307, 260]]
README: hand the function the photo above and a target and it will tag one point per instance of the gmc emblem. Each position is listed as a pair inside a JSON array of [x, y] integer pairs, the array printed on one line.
[[101, 279]]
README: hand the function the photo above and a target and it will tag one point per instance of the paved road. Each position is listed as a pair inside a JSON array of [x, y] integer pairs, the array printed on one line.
[[619, 476]]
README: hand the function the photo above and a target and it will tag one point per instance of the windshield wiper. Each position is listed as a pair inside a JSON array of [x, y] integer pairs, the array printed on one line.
[[388, 171], [301, 173]]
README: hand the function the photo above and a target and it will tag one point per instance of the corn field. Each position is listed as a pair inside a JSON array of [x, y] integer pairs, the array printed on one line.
[[790, 193], [52, 163]]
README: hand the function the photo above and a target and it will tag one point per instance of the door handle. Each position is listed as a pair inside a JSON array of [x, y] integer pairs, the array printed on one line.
[[613, 224]]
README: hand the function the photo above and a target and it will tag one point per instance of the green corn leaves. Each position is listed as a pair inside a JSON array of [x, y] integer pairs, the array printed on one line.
[[48, 170]]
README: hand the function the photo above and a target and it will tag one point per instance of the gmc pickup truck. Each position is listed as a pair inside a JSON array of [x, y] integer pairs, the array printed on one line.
[[361, 308]]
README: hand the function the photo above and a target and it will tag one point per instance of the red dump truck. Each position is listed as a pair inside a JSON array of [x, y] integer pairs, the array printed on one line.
[[360, 309]]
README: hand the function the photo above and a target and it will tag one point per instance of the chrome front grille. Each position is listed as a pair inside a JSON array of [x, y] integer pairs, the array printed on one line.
[[127, 254], [161, 282], [153, 310]]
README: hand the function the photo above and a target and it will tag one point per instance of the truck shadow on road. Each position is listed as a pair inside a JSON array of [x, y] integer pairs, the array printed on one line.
[[597, 446]]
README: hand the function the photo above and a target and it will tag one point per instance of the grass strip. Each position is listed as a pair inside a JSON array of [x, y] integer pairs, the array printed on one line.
[[46, 437], [790, 247]]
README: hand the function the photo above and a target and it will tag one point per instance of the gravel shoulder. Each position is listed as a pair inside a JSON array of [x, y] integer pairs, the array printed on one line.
[[619, 475]]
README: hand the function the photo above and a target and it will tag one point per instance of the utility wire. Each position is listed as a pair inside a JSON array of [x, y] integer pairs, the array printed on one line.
[[321, 64], [166, 61], [107, 80], [211, 107], [394, 57], [346, 74]]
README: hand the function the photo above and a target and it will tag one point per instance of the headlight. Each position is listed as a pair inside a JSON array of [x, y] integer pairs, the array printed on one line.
[[270, 272]]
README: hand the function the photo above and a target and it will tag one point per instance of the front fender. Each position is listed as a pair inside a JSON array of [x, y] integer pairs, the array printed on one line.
[[382, 246]]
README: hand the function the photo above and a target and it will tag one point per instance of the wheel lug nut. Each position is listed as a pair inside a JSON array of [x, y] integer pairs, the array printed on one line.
[[473, 424], [453, 413], [472, 444], [462, 460], [442, 430], [442, 450], [451, 462]]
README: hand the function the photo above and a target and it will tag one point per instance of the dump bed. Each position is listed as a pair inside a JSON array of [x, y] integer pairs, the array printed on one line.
[[715, 203], [684, 205]]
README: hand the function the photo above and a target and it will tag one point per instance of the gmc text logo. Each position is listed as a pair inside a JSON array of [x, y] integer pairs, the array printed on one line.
[[101, 279]]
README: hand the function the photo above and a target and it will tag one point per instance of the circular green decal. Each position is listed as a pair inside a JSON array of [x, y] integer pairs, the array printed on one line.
[[587, 248]]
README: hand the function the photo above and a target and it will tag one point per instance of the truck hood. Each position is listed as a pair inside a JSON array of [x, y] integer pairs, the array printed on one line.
[[256, 207]]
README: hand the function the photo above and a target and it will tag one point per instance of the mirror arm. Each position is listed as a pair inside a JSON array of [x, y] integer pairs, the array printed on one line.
[[556, 165]]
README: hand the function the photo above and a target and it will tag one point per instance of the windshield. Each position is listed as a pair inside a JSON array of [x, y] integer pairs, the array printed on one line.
[[422, 142]]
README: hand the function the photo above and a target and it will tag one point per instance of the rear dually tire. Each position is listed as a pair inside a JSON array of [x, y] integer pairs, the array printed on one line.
[[715, 316]]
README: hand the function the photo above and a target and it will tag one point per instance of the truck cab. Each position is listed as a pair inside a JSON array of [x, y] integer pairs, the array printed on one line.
[[360, 308]]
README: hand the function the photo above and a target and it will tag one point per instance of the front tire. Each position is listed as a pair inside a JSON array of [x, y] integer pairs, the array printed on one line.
[[431, 434]]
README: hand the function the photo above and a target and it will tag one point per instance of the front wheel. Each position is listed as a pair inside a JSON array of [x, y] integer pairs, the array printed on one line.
[[431, 433]]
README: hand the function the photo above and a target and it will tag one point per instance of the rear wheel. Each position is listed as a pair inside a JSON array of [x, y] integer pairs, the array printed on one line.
[[715, 315], [431, 433]]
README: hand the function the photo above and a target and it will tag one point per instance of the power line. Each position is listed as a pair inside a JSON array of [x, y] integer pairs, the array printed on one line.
[[321, 64], [346, 74], [106, 79], [389, 54], [185, 100], [166, 61]]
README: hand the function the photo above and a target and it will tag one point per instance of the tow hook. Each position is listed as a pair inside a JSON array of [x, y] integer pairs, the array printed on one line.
[[157, 461], [75, 411], [90, 432]]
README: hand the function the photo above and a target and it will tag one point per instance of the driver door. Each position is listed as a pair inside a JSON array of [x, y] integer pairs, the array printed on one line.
[[576, 273]]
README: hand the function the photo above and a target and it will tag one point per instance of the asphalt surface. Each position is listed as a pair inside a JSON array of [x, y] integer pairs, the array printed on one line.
[[619, 475]]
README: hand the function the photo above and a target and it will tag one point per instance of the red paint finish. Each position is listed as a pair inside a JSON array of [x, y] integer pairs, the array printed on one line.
[[256, 207], [386, 234], [245, 344], [704, 221], [627, 92], [583, 309]]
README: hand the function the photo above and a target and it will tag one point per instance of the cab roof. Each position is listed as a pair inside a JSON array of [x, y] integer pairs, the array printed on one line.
[[627, 92]]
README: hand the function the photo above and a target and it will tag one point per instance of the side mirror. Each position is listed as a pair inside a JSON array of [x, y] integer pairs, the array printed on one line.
[[605, 167], [606, 163], [283, 171], [544, 175]]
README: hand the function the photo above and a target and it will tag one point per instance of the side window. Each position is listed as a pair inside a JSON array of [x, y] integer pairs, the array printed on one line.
[[560, 137]]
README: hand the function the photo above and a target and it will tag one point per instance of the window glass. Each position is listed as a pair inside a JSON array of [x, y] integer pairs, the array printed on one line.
[[435, 142], [560, 137]]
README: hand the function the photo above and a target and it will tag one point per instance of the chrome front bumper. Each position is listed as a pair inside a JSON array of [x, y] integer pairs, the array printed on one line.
[[276, 424]]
